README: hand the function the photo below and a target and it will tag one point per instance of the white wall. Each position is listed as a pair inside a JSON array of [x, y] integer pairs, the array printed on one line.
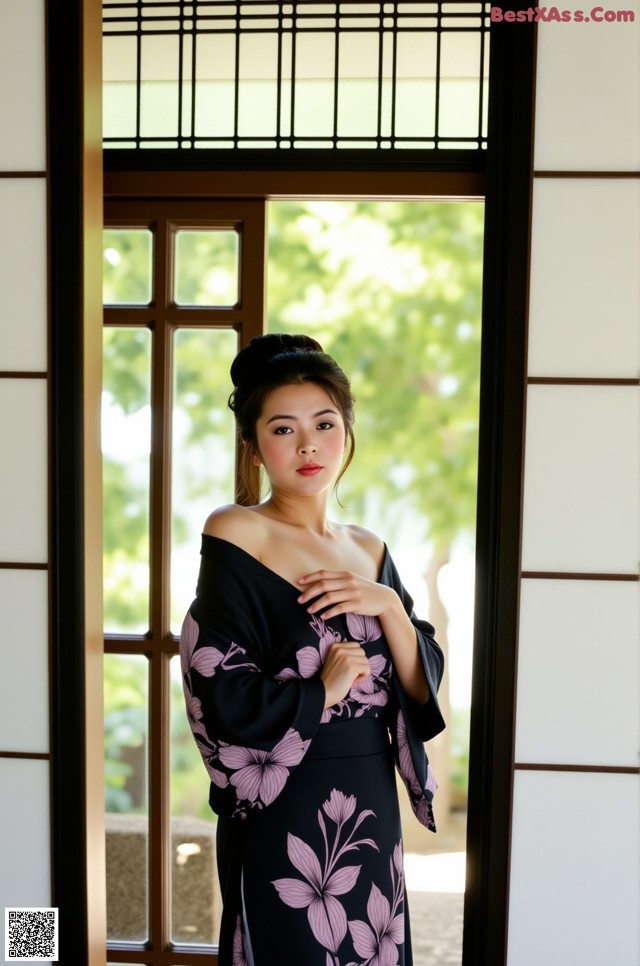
[[575, 856], [25, 862], [575, 863]]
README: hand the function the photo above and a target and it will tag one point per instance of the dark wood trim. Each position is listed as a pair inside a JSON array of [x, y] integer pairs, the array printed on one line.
[[313, 183], [587, 769], [147, 160], [141, 315], [587, 174], [172, 956], [500, 471], [10, 374], [10, 565], [23, 174], [30, 755], [74, 164], [590, 769], [579, 381], [562, 575]]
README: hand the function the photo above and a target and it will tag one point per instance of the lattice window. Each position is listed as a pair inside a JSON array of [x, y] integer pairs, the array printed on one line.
[[304, 75]]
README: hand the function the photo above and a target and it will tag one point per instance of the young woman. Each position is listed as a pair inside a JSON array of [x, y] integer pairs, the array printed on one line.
[[307, 676]]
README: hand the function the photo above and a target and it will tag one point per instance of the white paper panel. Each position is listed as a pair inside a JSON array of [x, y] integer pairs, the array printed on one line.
[[584, 308], [578, 672], [588, 93], [25, 873], [23, 274], [575, 870], [581, 509], [24, 658], [23, 480], [22, 82]]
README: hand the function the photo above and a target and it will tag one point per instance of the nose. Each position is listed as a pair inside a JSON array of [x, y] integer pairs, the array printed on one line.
[[306, 447]]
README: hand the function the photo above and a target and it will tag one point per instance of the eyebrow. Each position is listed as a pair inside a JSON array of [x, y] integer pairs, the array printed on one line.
[[322, 412]]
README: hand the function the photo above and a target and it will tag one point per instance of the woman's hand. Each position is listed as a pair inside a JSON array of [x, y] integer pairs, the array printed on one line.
[[344, 592], [345, 664]]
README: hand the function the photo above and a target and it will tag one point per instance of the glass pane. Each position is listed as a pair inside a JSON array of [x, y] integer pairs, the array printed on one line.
[[126, 439], [257, 100], [126, 703], [159, 87], [203, 450], [358, 85], [207, 268], [128, 263], [196, 902]]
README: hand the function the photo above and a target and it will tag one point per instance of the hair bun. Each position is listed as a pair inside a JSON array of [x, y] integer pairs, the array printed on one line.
[[263, 348]]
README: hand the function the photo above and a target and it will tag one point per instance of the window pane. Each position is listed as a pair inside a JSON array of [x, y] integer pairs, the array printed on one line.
[[126, 435], [206, 271], [196, 902], [127, 270], [203, 450], [127, 823]]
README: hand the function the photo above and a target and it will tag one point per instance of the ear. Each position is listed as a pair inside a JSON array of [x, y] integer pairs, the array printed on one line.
[[254, 456]]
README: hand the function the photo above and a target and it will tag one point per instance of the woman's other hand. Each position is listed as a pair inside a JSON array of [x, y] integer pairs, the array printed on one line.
[[344, 592], [345, 664]]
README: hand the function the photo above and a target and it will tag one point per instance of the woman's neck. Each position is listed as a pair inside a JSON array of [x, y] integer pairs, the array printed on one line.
[[307, 513]]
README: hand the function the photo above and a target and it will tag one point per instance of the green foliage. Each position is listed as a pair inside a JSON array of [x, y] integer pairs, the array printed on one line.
[[125, 727], [459, 721], [393, 291]]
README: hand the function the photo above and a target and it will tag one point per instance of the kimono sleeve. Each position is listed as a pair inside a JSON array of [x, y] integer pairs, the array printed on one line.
[[424, 719], [415, 723], [251, 729]]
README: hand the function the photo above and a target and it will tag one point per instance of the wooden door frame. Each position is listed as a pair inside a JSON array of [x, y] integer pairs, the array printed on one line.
[[75, 270]]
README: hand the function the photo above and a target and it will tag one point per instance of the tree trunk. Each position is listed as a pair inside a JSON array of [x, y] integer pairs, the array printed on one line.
[[439, 747]]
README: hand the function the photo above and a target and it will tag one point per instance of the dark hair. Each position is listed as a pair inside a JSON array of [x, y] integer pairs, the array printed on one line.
[[265, 364]]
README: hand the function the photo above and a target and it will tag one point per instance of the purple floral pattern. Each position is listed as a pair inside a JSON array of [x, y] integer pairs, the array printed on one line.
[[420, 804], [377, 940], [239, 952], [321, 883], [258, 776], [368, 696]]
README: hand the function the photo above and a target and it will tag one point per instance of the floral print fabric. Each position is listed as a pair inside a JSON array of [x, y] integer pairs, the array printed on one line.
[[251, 658]]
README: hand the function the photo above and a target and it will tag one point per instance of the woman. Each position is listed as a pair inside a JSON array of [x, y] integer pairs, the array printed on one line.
[[306, 677]]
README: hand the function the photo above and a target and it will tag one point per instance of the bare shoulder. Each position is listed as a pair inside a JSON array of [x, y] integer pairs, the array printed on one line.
[[239, 525], [369, 542]]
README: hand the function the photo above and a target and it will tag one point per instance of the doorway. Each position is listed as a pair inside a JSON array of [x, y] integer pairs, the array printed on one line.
[[393, 290]]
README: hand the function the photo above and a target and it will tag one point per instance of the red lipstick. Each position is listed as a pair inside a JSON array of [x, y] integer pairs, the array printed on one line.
[[309, 469]]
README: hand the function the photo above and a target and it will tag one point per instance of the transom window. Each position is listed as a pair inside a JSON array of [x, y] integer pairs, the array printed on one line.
[[304, 75]]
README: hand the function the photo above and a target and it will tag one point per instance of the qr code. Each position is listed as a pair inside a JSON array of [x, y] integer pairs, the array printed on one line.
[[31, 934]]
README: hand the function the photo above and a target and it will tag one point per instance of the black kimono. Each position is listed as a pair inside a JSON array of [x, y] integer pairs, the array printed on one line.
[[309, 842]]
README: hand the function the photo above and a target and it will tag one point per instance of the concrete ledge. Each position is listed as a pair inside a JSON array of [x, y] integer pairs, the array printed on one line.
[[196, 899]]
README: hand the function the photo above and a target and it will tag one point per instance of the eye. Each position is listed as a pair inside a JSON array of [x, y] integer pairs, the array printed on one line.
[[282, 431], [326, 425]]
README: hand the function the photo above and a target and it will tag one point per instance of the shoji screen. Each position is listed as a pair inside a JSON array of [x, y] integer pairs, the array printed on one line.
[[25, 877], [575, 863]]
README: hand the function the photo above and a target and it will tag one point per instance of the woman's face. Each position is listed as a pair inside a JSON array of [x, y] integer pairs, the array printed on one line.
[[301, 439]]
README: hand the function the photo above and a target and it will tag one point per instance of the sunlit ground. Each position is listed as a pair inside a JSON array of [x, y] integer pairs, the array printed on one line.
[[444, 872]]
